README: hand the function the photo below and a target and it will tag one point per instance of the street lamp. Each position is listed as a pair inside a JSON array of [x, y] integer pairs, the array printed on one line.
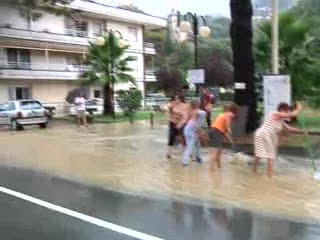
[[100, 41], [275, 37], [193, 26]]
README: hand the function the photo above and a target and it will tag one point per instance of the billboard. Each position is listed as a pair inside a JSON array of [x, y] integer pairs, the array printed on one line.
[[276, 89]]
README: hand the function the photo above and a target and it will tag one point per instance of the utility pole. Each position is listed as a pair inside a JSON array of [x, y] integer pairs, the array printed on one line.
[[275, 37]]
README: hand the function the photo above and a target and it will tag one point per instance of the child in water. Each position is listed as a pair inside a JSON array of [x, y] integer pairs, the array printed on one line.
[[191, 131], [220, 130]]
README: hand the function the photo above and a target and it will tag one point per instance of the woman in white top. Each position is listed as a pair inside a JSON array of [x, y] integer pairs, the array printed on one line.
[[266, 137], [80, 103]]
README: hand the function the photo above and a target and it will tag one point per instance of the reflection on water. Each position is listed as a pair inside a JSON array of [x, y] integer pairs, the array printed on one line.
[[132, 159]]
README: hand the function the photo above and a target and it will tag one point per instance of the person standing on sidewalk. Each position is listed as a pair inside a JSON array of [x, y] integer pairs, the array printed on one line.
[[80, 103], [267, 136], [220, 130], [191, 133], [207, 100]]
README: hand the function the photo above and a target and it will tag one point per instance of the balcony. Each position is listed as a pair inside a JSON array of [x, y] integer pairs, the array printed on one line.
[[149, 48], [40, 71], [70, 36], [150, 75]]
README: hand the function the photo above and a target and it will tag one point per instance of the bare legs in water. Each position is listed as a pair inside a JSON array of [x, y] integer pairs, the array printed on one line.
[[269, 169]]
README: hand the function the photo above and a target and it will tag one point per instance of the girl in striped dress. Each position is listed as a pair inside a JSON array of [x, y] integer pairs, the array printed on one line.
[[266, 137]]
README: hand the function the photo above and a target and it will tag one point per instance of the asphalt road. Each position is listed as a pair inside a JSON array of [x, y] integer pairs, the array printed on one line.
[[31, 216]]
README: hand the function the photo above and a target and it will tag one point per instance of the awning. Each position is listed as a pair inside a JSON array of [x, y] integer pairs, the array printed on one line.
[[42, 45]]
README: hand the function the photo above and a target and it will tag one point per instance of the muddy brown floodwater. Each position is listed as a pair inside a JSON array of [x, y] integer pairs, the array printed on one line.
[[132, 159]]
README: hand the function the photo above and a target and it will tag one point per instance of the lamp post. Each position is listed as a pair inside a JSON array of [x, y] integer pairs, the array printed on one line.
[[275, 36], [100, 41], [191, 24]]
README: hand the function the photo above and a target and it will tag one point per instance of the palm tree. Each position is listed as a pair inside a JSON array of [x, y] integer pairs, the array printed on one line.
[[32, 10], [298, 54], [108, 66], [241, 39]]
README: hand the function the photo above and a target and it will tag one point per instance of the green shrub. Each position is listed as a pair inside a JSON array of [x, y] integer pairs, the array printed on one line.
[[129, 101]]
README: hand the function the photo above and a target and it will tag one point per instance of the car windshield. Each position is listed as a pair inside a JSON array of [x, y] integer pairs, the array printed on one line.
[[30, 105]]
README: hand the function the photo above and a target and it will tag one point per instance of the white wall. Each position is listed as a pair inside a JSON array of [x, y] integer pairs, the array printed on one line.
[[38, 60], [50, 91], [137, 65], [3, 92], [12, 16], [53, 23], [3, 55], [124, 29]]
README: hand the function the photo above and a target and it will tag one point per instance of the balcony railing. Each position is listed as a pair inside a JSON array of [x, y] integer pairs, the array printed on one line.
[[69, 36], [18, 70], [150, 71], [149, 48]]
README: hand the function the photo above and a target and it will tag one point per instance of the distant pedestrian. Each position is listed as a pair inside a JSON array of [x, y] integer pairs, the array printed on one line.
[[80, 103], [191, 133], [207, 100], [266, 137], [220, 130]]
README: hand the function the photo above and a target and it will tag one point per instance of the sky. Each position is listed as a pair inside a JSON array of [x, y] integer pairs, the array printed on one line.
[[163, 7]]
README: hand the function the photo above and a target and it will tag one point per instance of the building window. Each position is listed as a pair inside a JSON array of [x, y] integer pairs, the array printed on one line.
[[133, 34], [76, 27], [96, 28], [97, 93], [19, 93], [18, 58]]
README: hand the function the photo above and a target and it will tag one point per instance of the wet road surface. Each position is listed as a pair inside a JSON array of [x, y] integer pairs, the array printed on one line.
[[163, 218], [127, 158]]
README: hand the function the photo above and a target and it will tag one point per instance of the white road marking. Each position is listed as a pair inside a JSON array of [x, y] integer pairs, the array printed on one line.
[[81, 216]]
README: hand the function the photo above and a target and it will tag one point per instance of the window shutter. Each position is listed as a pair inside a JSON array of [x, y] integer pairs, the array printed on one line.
[[11, 93]]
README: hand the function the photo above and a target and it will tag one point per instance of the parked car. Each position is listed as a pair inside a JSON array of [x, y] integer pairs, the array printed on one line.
[[155, 100], [20, 113], [93, 107]]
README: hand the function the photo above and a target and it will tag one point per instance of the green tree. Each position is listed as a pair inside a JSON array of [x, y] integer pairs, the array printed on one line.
[[108, 66], [130, 101], [295, 34], [130, 7], [32, 10]]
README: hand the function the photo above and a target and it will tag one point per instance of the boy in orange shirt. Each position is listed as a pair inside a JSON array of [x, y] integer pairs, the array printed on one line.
[[220, 130]]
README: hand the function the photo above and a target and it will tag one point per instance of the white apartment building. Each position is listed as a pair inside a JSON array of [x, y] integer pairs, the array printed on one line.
[[43, 60]]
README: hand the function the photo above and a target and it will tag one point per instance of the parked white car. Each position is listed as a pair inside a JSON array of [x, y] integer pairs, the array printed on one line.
[[20, 113], [93, 107]]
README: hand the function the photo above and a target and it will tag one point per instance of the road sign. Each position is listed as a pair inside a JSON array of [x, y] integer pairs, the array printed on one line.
[[276, 89], [196, 76]]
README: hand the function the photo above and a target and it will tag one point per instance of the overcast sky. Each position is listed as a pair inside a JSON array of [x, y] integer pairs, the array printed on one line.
[[163, 7]]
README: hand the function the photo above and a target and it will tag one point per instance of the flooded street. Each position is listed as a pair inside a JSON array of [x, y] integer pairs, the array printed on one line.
[[132, 159]]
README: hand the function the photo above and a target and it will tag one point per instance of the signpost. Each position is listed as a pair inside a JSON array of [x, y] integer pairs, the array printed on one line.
[[196, 76], [276, 89]]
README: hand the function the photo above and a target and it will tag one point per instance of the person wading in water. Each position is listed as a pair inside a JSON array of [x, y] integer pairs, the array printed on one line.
[[266, 137]]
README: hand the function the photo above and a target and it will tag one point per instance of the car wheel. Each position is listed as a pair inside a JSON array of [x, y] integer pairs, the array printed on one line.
[[43, 125], [15, 125]]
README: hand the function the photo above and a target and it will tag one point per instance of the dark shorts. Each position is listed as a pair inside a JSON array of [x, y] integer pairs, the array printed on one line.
[[217, 137]]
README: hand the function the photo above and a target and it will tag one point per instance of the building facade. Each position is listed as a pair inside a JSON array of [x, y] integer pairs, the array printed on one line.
[[43, 59]]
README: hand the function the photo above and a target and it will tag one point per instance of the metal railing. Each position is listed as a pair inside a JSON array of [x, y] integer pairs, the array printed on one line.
[[149, 45], [69, 35], [44, 67], [149, 71]]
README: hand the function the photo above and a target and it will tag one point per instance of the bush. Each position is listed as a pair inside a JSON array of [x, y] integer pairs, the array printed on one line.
[[129, 101]]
